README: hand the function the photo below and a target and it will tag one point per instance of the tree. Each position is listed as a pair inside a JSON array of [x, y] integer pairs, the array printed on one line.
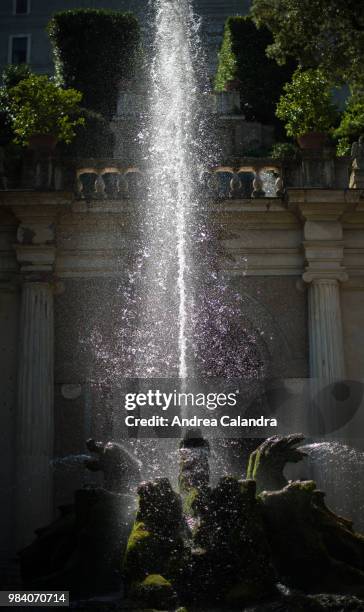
[[94, 51], [352, 124], [318, 33], [242, 58], [306, 105], [36, 105]]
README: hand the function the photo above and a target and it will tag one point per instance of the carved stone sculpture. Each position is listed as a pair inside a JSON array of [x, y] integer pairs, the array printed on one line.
[[120, 467], [267, 462]]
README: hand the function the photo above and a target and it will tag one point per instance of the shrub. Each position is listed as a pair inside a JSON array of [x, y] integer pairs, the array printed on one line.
[[284, 151], [11, 76], [352, 124], [14, 73], [93, 51], [38, 106], [94, 137], [242, 57], [307, 104]]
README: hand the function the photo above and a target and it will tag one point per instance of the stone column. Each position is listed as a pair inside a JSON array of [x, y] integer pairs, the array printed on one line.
[[35, 427], [325, 330], [35, 252], [321, 211], [324, 273]]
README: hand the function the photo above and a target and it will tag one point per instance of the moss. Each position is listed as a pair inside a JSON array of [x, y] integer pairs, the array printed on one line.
[[154, 591], [189, 502], [266, 464], [138, 534], [155, 545], [140, 552], [251, 465], [306, 485], [156, 580], [195, 501]]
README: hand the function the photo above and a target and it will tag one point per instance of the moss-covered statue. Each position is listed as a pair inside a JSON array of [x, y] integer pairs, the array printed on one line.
[[215, 551], [81, 551], [153, 560], [227, 547], [267, 462], [120, 467], [223, 548]]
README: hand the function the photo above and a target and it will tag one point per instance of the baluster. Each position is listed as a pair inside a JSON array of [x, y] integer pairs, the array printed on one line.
[[79, 188], [258, 191], [123, 187], [279, 187], [213, 185], [111, 182], [88, 181], [100, 187], [235, 187]]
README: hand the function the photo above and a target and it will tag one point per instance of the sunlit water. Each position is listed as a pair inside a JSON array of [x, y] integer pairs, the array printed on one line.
[[179, 318], [337, 470], [173, 160]]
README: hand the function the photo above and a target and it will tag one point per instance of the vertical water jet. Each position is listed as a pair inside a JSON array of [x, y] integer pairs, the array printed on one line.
[[172, 159]]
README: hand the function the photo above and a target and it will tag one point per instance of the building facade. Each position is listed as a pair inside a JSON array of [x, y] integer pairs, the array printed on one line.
[[296, 258], [294, 236], [23, 37]]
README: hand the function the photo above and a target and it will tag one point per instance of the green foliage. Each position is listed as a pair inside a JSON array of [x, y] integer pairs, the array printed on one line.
[[242, 58], [14, 73], [36, 105], [284, 151], [11, 76], [352, 124], [317, 33], [94, 138], [95, 50], [307, 103]]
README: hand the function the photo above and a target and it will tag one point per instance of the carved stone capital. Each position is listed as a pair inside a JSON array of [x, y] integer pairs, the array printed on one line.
[[36, 258], [324, 275]]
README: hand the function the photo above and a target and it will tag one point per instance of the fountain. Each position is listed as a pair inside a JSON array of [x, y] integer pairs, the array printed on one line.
[[337, 469], [174, 161], [225, 545], [228, 547]]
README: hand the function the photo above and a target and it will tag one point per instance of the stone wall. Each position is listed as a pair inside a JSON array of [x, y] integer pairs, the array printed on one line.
[[9, 318], [297, 260]]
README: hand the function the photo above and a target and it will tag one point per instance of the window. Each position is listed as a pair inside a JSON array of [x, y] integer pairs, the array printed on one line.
[[21, 7], [19, 49]]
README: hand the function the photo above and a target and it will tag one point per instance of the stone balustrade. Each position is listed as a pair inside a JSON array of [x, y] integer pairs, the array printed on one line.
[[251, 178], [238, 178]]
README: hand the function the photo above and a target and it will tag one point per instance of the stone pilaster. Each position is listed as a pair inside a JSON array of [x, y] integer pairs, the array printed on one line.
[[324, 273], [325, 330], [35, 427], [35, 252], [324, 253]]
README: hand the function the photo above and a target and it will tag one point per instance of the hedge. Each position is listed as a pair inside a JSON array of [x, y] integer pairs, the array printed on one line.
[[94, 50], [242, 57]]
